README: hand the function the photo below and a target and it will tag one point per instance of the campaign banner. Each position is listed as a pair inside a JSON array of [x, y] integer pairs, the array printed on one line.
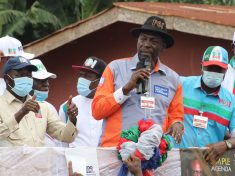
[[194, 164], [42, 161]]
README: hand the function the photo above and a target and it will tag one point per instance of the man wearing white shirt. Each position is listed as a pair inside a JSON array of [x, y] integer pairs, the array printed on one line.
[[229, 79], [9, 47], [40, 90], [89, 128]]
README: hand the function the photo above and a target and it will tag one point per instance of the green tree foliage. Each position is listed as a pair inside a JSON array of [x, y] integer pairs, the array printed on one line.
[[29, 20], [26, 22]]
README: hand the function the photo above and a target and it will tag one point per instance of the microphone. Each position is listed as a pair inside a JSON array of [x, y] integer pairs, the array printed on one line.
[[140, 84], [147, 65]]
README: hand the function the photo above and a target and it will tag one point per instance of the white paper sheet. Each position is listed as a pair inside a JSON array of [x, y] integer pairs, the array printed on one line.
[[78, 162], [90, 155]]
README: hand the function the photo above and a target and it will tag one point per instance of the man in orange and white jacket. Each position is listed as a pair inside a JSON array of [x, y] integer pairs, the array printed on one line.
[[116, 100]]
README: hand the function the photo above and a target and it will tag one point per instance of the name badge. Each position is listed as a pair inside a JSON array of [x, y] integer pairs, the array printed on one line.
[[38, 115], [200, 121], [147, 102]]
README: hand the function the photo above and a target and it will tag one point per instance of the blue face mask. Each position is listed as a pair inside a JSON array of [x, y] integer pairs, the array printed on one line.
[[41, 95], [212, 79], [23, 86], [83, 86]]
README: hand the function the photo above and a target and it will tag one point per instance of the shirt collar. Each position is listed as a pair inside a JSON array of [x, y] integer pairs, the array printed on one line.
[[158, 67], [198, 85], [10, 98]]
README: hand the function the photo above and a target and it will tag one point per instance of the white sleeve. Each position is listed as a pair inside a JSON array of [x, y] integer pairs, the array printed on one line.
[[62, 113], [119, 96], [233, 133]]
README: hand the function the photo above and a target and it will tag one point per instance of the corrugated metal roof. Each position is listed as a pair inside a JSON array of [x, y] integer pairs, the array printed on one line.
[[221, 19], [215, 14]]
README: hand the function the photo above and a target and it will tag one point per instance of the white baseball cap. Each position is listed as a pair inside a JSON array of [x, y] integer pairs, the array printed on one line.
[[12, 47], [42, 72]]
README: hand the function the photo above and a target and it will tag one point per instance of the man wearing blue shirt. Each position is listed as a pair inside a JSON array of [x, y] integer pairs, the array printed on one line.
[[208, 107]]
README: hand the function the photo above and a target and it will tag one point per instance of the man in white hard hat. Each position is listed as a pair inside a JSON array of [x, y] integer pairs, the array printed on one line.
[[10, 47]]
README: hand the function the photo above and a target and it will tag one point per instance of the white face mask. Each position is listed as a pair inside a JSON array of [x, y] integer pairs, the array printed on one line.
[[212, 79]]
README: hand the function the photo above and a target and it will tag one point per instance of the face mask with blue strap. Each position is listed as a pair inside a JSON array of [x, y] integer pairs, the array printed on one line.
[[41, 95], [83, 86], [22, 85]]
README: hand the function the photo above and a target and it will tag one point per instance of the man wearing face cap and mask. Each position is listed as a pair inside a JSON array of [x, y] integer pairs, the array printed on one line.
[[88, 78], [41, 86], [24, 121], [209, 107]]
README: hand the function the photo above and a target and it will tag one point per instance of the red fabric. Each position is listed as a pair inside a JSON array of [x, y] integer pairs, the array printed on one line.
[[145, 124], [148, 173], [138, 154], [163, 146], [210, 116], [121, 141]]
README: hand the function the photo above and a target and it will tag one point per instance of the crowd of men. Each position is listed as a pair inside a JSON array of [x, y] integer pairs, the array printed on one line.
[[196, 111]]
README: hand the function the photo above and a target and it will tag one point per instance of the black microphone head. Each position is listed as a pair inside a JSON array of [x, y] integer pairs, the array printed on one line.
[[139, 65], [147, 62]]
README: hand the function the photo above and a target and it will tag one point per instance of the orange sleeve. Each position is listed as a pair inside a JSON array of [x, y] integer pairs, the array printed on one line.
[[175, 110], [104, 104]]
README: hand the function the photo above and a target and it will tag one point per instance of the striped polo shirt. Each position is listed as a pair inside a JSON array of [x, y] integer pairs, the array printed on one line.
[[217, 107]]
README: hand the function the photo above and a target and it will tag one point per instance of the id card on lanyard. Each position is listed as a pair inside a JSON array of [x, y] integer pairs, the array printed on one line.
[[147, 102], [200, 121]]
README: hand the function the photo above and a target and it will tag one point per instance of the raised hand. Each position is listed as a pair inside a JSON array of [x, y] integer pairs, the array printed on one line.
[[71, 173], [30, 105], [72, 110]]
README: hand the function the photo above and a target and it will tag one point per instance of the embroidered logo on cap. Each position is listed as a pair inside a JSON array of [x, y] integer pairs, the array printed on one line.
[[20, 48], [216, 55], [40, 67], [11, 50], [90, 62], [158, 24]]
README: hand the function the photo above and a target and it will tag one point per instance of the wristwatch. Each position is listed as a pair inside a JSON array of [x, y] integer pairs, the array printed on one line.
[[229, 144]]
